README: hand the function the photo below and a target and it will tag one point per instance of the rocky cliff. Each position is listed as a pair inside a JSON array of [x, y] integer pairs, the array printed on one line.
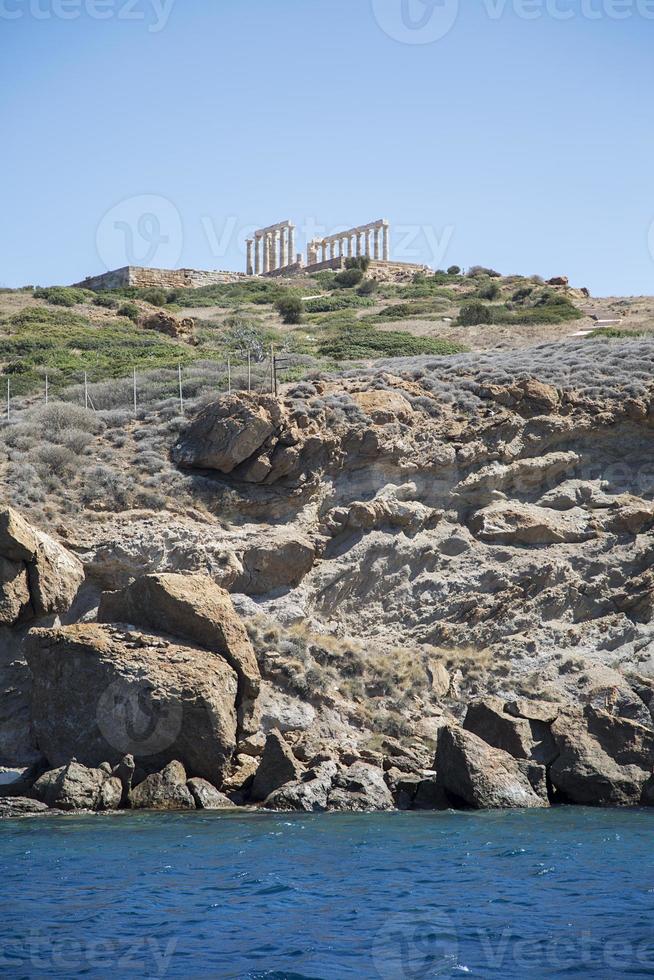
[[425, 584]]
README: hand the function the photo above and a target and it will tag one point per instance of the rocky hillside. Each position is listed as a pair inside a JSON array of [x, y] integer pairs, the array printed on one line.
[[423, 583]]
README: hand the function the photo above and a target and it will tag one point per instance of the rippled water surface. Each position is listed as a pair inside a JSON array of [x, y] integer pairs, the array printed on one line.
[[559, 893]]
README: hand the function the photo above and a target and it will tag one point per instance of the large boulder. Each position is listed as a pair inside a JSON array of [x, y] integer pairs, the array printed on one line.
[[14, 591], [587, 770], [523, 738], [21, 806], [101, 692], [515, 522], [38, 577], [207, 796], [17, 742], [309, 794], [165, 790], [277, 767], [329, 786], [195, 609], [281, 561], [475, 774], [76, 787], [166, 323], [228, 432], [360, 787]]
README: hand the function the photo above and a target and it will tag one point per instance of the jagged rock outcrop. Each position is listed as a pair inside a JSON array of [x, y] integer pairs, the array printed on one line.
[[37, 576], [521, 737], [229, 432], [473, 773], [310, 793], [602, 760], [522, 523], [360, 787], [207, 796], [77, 787], [194, 609], [21, 806], [326, 785], [277, 767], [165, 790], [171, 326], [102, 691]]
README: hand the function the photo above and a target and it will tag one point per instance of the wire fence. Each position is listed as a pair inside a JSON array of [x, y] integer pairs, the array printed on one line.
[[148, 388]]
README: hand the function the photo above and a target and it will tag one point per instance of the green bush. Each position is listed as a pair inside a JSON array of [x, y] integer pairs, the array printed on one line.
[[290, 308], [354, 341], [473, 313], [367, 287], [481, 270], [108, 302], [130, 310], [340, 301], [522, 293], [157, 297], [454, 270], [62, 295], [489, 292], [553, 312], [348, 278], [65, 345]]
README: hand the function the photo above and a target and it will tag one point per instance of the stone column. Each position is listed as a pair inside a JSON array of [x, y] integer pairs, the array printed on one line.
[[367, 239], [273, 251], [358, 237], [350, 241], [332, 249], [376, 241], [265, 245], [282, 248], [323, 246], [291, 244], [257, 246], [249, 266], [386, 243]]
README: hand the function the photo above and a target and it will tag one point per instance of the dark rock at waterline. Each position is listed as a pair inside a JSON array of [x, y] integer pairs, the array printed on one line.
[[103, 691], [21, 806], [475, 774], [277, 767], [207, 796], [76, 787], [585, 772], [165, 790]]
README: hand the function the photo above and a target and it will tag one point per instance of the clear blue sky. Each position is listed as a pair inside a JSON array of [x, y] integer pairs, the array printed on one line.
[[525, 143]]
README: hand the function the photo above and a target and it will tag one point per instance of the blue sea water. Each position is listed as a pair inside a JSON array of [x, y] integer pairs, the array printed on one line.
[[564, 892]]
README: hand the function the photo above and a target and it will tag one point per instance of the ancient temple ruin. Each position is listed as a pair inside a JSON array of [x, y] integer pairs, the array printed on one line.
[[272, 249], [271, 252], [371, 240]]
